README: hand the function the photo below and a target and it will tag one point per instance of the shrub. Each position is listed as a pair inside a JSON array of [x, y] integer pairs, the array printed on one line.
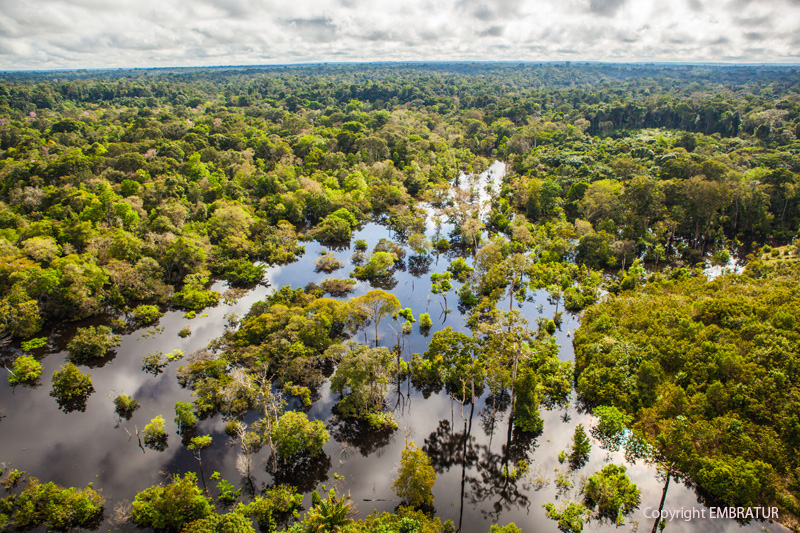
[[144, 315], [425, 321], [328, 263], [295, 434], [379, 265], [155, 433], [33, 344], [184, 416], [92, 343], [26, 369], [338, 287], [612, 492], [125, 405], [56, 507], [416, 477], [71, 388], [171, 507], [240, 272]]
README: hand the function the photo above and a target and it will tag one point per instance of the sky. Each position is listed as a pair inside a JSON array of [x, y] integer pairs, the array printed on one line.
[[53, 34]]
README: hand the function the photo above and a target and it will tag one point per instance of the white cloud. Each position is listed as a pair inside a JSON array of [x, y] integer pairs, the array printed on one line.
[[142, 33]]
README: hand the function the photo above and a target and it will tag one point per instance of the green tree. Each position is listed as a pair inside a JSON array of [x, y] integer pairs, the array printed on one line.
[[611, 491], [92, 343], [145, 315], [296, 434], [330, 514], [509, 528], [155, 434], [184, 416], [440, 284], [580, 448], [125, 405], [171, 507], [26, 369], [571, 516], [379, 265], [277, 505], [71, 388], [232, 522], [377, 305], [363, 374], [58, 508], [416, 477]]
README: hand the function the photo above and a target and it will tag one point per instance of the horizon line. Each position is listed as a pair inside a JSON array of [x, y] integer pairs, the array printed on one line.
[[411, 62]]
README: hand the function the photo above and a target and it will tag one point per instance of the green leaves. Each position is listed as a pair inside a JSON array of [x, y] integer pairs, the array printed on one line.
[[295, 434], [171, 507], [92, 343], [26, 369], [416, 477], [612, 492], [71, 388]]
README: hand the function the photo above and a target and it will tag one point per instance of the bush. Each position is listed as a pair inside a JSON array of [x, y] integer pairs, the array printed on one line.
[[338, 287], [56, 507], [144, 315], [333, 230], [26, 369], [327, 263], [33, 344], [194, 295], [240, 272], [227, 492], [416, 477], [184, 416], [612, 492], [381, 421], [379, 265], [227, 523], [155, 433], [297, 434], [171, 507], [185, 332], [125, 405], [71, 388], [425, 321], [92, 343]]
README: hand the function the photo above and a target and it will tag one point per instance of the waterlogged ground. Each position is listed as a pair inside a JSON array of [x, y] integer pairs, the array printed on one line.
[[97, 447]]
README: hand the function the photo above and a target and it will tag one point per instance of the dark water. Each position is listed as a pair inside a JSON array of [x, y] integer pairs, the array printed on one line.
[[97, 447]]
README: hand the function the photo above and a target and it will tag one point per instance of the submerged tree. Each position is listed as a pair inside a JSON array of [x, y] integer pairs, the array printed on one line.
[[416, 477], [71, 388], [580, 448], [377, 305]]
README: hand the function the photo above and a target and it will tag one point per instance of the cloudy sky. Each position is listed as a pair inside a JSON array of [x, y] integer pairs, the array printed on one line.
[[44, 34]]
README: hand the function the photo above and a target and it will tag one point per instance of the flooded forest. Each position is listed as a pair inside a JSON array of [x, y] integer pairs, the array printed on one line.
[[400, 298]]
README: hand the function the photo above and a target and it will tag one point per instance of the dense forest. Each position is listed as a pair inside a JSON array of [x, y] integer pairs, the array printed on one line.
[[126, 195]]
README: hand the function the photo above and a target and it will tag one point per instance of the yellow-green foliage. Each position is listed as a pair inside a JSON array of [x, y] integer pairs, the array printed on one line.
[[708, 370]]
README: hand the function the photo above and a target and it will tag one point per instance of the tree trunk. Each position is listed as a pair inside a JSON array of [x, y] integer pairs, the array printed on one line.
[[663, 498]]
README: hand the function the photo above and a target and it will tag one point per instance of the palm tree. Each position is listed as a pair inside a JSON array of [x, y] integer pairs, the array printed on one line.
[[329, 515]]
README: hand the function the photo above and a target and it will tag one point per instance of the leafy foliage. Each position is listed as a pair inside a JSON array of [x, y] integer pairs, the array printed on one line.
[[416, 477], [611, 491], [695, 371], [54, 506], [171, 507], [71, 388], [92, 343], [125, 405], [26, 369]]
